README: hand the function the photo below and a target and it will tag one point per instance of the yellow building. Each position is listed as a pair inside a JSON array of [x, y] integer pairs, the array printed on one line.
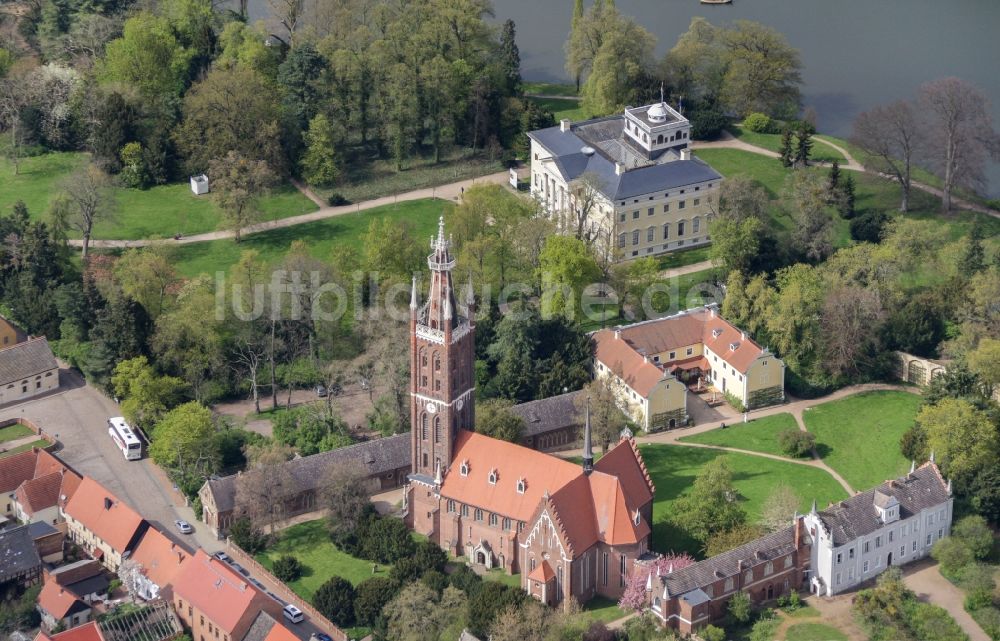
[[652, 363], [9, 333]]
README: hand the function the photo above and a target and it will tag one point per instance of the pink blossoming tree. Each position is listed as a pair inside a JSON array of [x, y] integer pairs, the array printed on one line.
[[634, 597]]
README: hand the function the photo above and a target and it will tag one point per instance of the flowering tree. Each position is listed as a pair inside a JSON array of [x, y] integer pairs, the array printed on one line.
[[634, 596]]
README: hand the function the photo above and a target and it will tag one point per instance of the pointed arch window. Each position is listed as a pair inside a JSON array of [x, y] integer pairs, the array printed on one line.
[[493, 477], [521, 486], [423, 426], [464, 468], [437, 429]]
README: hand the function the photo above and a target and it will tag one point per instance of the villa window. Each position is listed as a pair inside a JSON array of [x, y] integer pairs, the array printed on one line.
[[680, 228], [914, 546], [696, 223], [621, 239], [865, 568], [493, 477], [865, 547], [689, 351], [650, 211], [673, 355], [840, 558], [635, 237], [649, 234], [681, 204], [666, 231], [902, 550], [635, 215], [621, 217], [666, 206], [697, 201]]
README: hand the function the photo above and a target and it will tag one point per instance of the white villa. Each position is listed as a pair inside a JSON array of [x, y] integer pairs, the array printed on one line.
[[649, 195], [894, 524]]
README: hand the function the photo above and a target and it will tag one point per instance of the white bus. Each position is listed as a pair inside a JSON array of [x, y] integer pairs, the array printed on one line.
[[125, 438]]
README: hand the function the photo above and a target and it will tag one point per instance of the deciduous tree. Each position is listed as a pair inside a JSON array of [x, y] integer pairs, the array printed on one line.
[[892, 138], [495, 418], [712, 504], [238, 183], [963, 439], [779, 508]]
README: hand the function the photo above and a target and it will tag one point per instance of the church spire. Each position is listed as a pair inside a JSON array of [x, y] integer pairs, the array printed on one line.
[[588, 452], [414, 296]]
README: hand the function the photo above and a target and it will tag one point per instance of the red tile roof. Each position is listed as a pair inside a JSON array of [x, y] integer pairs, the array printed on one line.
[[16, 469], [218, 592], [280, 633], [622, 359], [56, 600], [589, 508], [542, 573], [161, 559], [46, 463], [86, 632], [39, 493], [104, 514]]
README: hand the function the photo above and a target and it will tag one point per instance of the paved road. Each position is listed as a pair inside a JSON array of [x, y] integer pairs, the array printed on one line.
[[925, 579], [451, 191]]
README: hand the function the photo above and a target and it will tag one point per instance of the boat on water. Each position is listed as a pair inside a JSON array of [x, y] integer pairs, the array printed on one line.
[[716, 1]]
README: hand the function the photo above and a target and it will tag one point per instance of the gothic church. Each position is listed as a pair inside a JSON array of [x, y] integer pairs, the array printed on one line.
[[570, 531]]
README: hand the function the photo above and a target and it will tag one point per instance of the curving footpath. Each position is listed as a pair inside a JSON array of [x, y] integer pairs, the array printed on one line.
[[451, 191]]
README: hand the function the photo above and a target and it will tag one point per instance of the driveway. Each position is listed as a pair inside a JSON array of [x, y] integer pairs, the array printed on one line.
[[925, 579], [76, 416]]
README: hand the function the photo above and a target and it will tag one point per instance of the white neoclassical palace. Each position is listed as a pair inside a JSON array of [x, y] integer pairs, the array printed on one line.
[[648, 194]]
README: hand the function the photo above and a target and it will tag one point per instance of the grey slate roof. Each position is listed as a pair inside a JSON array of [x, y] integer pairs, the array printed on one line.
[[379, 456], [566, 147], [857, 516], [17, 553], [754, 553], [549, 414], [260, 628], [26, 360], [38, 529]]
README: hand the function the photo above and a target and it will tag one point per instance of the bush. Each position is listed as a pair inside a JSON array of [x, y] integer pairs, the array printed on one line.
[[764, 630], [712, 633], [707, 123], [244, 534], [335, 600], [435, 580], [797, 443], [975, 533], [739, 607], [384, 539], [913, 443], [336, 199], [371, 596], [868, 228], [989, 620], [735, 402], [953, 555], [287, 568], [759, 123]]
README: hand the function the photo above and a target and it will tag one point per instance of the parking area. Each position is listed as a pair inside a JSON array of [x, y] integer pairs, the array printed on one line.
[[76, 416]]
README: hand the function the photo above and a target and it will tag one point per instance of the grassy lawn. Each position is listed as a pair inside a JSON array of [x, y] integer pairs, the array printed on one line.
[[602, 609], [322, 237], [12, 432], [814, 632], [684, 257], [802, 612], [500, 576], [858, 436], [759, 435], [673, 469], [562, 108], [772, 142], [157, 212], [549, 88], [365, 179], [24, 448], [310, 543]]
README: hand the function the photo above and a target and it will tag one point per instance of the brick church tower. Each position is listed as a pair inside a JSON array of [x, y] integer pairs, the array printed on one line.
[[442, 356]]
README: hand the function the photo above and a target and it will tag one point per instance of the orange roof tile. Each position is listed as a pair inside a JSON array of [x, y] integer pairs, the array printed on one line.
[[218, 592], [39, 493], [16, 469], [104, 514], [56, 600], [618, 355], [625, 463], [541, 472], [161, 559], [280, 633], [542, 573], [46, 463], [86, 632]]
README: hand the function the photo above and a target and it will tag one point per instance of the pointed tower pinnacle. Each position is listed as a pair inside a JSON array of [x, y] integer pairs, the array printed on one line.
[[949, 487], [932, 456], [649, 582], [813, 510], [588, 452], [414, 296], [913, 466], [437, 474]]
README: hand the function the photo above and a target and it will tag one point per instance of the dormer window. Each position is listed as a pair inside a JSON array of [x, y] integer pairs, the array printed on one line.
[[464, 468], [716, 333], [521, 486], [734, 346], [493, 477], [636, 518]]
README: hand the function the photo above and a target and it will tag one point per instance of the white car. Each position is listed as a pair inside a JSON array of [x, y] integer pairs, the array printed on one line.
[[183, 526], [292, 613]]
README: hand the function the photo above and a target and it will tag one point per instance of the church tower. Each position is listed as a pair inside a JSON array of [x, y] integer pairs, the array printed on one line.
[[442, 358]]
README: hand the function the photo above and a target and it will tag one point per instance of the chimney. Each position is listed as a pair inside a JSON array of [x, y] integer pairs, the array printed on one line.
[[686, 154], [618, 334], [588, 452], [798, 532], [619, 168], [564, 124], [743, 335]]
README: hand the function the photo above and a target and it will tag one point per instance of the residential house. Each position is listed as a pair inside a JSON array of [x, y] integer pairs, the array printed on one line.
[[19, 468], [215, 603], [10, 334], [160, 560], [43, 498], [643, 192], [893, 524], [86, 579], [764, 569], [60, 607], [19, 559], [652, 363], [27, 369], [104, 526], [384, 462], [86, 632], [265, 628]]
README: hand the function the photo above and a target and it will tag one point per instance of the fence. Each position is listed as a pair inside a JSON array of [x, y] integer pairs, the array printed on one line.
[[284, 591]]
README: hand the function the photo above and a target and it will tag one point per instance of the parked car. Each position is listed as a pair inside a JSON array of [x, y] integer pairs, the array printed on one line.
[[183, 526], [292, 613], [222, 556], [239, 568], [320, 391], [319, 636]]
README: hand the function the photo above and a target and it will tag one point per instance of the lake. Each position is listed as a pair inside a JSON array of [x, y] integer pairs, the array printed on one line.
[[855, 53]]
